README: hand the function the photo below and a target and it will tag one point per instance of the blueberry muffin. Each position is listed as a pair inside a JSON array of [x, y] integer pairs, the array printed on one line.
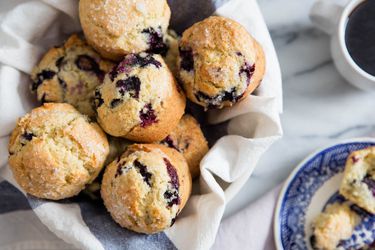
[[146, 188], [188, 139], [119, 27], [70, 74], [358, 184], [139, 99], [336, 223], [55, 151], [219, 62]]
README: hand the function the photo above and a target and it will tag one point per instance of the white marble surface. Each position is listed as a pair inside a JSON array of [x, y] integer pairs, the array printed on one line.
[[320, 107]]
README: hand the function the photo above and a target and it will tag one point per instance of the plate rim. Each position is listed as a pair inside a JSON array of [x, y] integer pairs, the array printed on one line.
[[288, 180]]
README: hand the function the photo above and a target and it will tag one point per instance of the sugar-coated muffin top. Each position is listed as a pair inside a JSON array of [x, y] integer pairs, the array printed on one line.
[[119, 27], [70, 73], [217, 59], [146, 187], [336, 223], [55, 151], [137, 93]]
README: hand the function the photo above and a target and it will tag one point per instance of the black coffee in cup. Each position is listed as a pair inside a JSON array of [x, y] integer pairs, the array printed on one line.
[[360, 36]]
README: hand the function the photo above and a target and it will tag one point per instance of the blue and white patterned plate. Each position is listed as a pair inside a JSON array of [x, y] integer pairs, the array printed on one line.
[[309, 188]]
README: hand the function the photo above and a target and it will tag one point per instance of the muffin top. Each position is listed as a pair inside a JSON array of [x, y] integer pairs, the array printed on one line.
[[217, 60], [70, 74], [55, 151], [119, 27], [145, 189], [136, 93]]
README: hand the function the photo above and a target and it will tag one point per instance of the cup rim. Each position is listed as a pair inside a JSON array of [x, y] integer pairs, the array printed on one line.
[[341, 36]]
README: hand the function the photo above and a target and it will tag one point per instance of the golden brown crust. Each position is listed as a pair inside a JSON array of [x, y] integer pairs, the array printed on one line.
[[223, 55], [55, 151], [154, 95], [134, 187], [116, 27]]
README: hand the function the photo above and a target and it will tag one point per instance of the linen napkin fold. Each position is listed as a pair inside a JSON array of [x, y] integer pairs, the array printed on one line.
[[27, 30]]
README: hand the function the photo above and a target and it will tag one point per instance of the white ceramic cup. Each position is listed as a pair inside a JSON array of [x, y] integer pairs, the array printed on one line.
[[332, 19]]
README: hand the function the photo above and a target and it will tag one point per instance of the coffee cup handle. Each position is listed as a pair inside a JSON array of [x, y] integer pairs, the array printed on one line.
[[325, 15]]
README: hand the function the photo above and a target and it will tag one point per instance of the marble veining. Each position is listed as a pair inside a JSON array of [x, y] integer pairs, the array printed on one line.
[[320, 107]]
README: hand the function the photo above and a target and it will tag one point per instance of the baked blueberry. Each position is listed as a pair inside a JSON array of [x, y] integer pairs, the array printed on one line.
[[143, 172], [28, 136], [168, 141], [132, 60], [248, 70], [147, 116], [62, 83], [187, 59], [41, 77], [171, 195], [149, 59], [370, 182], [98, 99], [155, 41], [115, 102], [131, 85], [60, 62]]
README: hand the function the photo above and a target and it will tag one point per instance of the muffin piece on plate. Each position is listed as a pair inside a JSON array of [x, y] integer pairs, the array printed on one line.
[[220, 63], [188, 139], [70, 74], [118, 27], [139, 99], [358, 184], [146, 188], [336, 223], [55, 151]]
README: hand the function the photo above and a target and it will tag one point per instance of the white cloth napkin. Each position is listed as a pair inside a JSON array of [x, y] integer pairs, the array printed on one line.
[[27, 30], [251, 228]]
